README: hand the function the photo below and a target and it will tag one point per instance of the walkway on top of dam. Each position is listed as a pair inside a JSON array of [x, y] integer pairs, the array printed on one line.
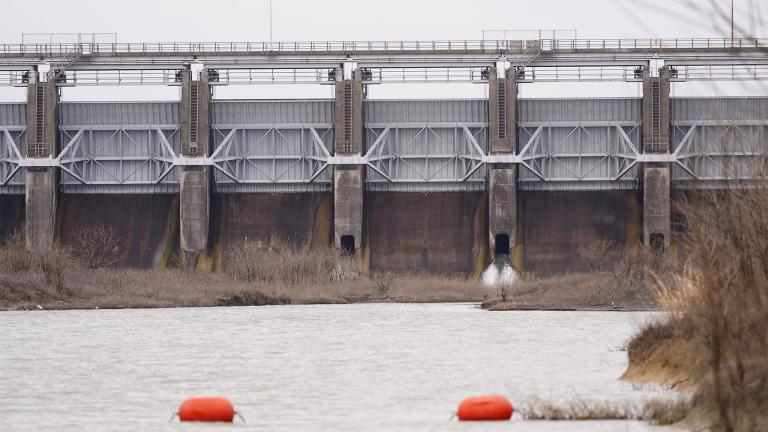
[[539, 60]]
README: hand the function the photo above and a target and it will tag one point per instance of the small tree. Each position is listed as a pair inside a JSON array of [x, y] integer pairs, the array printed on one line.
[[97, 246], [54, 265], [505, 290], [597, 255]]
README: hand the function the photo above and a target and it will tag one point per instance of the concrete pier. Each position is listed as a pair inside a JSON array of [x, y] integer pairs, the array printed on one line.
[[502, 178], [656, 177], [348, 180], [194, 205], [41, 182], [656, 207]]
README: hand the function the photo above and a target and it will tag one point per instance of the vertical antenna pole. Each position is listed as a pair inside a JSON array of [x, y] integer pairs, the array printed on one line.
[[732, 32]]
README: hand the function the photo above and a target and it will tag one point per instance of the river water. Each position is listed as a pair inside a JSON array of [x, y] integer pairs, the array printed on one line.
[[387, 367]]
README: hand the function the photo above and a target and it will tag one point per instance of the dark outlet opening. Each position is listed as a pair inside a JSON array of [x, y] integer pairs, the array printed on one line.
[[657, 242], [502, 244], [347, 245]]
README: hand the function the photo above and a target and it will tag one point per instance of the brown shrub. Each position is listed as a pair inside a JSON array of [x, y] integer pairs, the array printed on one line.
[[96, 246], [597, 255], [278, 262], [256, 275], [54, 265], [660, 412], [720, 305], [14, 256], [634, 269]]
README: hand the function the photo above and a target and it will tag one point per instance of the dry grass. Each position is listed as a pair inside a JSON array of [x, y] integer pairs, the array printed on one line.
[[254, 261], [717, 335], [582, 291], [657, 354], [257, 275], [620, 278], [14, 257], [656, 411]]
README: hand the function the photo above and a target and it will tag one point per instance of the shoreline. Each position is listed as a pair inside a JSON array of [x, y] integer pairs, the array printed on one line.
[[152, 289], [478, 304]]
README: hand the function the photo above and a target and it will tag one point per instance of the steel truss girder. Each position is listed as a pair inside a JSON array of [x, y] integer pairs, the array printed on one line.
[[12, 154], [270, 154], [586, 152], [427, 155], [722, 152], [121, 156], [424, 153]]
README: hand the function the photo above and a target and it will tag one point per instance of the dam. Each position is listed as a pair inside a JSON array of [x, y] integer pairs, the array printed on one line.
[[404, 185]]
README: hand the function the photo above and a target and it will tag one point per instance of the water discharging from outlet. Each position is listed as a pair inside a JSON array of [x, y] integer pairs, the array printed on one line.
[[499, 272]]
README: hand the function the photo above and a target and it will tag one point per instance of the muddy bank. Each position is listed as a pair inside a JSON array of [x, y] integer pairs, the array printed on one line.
[[580, 291], [122, 288]]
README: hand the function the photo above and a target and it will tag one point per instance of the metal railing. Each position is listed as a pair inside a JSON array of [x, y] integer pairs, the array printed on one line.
[[383, 75], [362, 47]]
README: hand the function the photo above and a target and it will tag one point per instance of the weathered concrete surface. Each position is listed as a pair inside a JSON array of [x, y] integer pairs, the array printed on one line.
[[348, 180], [41, 183], [302, 220], [442, 233], [502, 178], [656, 179], [145, 224], [194, 182], [348, 204], [40, 213], [502, 204], [194, 209], [656, 206], [11, 214], [555, 224]]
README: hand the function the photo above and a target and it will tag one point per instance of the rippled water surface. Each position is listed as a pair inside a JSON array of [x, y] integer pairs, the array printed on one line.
[[300, 368]]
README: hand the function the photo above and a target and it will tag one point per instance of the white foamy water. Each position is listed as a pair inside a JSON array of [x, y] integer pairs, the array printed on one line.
[[500, 272], [364, 367]]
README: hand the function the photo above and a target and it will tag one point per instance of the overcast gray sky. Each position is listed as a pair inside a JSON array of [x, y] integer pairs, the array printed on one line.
[[248, 20]]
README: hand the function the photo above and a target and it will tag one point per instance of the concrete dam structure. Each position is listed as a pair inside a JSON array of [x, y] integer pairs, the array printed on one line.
[[405, 185]]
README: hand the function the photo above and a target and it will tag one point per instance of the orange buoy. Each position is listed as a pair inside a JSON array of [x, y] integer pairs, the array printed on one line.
[[485, 408], [211, 409]]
